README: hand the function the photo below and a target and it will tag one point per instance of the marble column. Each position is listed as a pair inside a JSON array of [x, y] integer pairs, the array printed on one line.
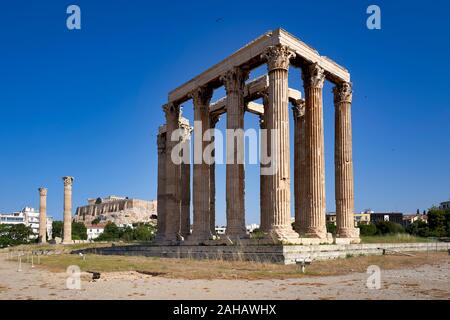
[[299, 166], [234, 82], [161, 202], [67, 235], [212, 174], [173, 175], [343, 162], [43, 215], [263, 178], [313, 80], [201, 229], [277, 117], [185, 220]]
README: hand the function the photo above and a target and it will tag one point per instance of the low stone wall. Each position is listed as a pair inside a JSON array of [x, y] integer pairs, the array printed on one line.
[[286, 254]]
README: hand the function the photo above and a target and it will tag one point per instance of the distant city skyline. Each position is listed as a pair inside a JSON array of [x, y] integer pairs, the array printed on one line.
[[87, 103]]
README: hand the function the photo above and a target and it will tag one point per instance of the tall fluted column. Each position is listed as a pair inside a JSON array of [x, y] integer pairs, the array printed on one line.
[[67, 236], [185, 220], [43, 215], [278, 126], [212, 174], [263, 177], [201, 229], [313, 80], [173, 174], [161, 203], [343, 162], [234, 82], [299, 166]]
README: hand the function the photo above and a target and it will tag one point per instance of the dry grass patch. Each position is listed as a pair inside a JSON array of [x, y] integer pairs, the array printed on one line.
[[360, 264], [218, 269]]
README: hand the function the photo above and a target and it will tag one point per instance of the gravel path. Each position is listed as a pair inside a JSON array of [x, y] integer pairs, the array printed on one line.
[[425, 282]]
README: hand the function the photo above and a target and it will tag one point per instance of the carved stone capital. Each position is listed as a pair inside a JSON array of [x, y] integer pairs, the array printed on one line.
[[43, 191], [313, 76], [234, 81], [298, 108], [172, 111], [343, 93], [278, 57], [201, 97], [68, 181]]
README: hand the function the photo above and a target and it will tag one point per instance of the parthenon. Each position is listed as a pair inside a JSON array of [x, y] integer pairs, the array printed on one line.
[[279, 50]]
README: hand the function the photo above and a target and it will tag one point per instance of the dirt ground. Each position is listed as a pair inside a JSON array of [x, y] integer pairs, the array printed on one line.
[[420, 279]]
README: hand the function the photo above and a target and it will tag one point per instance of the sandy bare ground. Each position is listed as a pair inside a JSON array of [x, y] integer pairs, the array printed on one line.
[[423, 282]]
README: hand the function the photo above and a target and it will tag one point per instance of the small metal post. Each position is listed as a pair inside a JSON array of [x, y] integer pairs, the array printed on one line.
[[20, 265], [32, 262]]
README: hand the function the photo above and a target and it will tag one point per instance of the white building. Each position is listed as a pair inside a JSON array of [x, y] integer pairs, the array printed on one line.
[[29, 217], [445, 205], [93, 232], [251, 227]]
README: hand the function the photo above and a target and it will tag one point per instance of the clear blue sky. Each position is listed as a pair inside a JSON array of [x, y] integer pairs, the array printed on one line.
[[87, 103]]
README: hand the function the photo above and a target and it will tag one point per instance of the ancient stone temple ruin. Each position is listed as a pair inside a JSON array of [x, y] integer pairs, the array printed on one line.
[[120, 210], [279, 51]]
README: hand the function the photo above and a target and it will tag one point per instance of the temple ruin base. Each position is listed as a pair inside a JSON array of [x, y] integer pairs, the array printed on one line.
[[285, 254]]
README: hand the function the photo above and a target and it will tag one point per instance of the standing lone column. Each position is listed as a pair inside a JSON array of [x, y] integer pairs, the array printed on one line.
[[313, 80], [277, 117], [161, 203], [43, 215], [201, 229], [343, 162], [234, 82], [67, 236], [173, 175], [299, 166]]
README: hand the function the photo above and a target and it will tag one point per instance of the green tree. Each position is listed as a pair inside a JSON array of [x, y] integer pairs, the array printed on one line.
[[418, 228], [331, 228], [96, 221], [144, 232], [367, 229], [57, 227], [439, 222], [111, 232], [388, 227], [14, 234], [79, 231]]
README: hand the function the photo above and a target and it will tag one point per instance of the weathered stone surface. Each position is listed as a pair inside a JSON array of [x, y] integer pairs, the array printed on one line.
[[67, 233], [343, 162], [277, 118], [42, 215], [234, 82], [313, 79]]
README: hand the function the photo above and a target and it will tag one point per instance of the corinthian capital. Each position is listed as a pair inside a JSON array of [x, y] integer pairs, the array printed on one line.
[[278, 57], [43, 191], [172, 111], [313, 76], [298, 108], [234, 80], [343, 92], [68, 181], [201, 96]]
